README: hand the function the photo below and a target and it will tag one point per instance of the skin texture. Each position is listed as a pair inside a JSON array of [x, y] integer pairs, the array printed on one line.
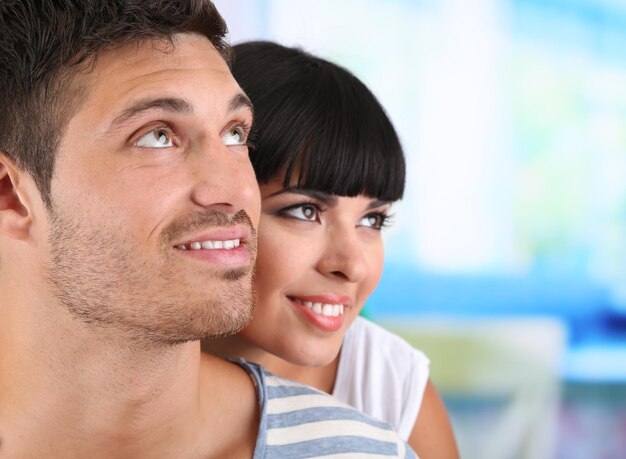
[[432, 436], [306, 255], [99, 282], [334, 251], [324, 250], [137, 235]]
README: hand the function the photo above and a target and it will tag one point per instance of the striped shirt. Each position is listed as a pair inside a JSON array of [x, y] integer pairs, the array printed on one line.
[[298, 421]]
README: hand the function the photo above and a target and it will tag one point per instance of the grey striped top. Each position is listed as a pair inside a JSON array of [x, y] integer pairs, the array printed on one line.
[[298, 421]]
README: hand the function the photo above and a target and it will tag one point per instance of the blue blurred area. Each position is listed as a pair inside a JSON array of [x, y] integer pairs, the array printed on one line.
[[599, 26], [596, 332], [406, 291]]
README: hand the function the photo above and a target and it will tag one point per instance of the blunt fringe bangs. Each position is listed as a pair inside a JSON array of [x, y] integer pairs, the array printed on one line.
[[45, 43], [317, 124]]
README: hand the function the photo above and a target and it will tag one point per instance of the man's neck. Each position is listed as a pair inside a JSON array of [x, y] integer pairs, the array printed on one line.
[[78, 389]]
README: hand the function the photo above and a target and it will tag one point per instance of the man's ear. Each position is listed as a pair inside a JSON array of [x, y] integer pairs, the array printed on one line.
[[15, 214]]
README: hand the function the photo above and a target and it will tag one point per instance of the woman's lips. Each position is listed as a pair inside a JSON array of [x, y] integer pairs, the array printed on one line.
[[325, 312]]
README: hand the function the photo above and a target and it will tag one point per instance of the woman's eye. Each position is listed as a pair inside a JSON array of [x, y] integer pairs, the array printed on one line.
[[157, 138], [375, 221], [234, 136], [308, 213]]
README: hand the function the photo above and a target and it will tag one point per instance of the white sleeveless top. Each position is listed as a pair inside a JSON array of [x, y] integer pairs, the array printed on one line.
[[382, 375]]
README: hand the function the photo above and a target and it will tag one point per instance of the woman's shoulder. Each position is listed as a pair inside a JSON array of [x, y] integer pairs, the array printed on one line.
[[371, 338], [382, 375]]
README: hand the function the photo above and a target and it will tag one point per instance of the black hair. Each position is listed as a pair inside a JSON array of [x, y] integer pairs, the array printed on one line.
[[315, 119], [42, 46]]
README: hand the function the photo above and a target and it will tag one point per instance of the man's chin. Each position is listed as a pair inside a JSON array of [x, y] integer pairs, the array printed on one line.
[[216, 319], [236, 274]]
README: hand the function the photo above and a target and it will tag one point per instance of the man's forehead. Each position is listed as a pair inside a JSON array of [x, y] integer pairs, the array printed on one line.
[[142, 57], [152, 69]]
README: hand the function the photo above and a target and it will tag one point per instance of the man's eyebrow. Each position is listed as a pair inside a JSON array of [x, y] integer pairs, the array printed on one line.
[[168, 104], [173, 105], [238, 101]]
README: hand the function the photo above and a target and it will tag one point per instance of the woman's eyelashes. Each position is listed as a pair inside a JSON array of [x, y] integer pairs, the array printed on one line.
[[375, 220], [313, 212], [308, 212]]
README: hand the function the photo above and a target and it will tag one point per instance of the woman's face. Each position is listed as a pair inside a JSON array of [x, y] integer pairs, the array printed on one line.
[[320, 256]]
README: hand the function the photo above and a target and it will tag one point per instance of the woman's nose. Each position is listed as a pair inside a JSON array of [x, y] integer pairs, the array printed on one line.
[[343, 256]]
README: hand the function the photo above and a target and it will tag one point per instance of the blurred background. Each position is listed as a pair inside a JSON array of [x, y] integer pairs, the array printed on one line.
[[506, 263]]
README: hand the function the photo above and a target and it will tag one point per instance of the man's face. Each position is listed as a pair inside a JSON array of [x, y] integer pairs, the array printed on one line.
[[154, 200]]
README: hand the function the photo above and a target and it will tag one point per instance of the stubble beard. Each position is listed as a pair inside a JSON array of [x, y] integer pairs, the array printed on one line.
[[101, 279]]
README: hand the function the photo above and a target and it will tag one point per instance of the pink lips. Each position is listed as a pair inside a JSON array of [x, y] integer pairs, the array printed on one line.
[[222, 246], [322, 310], [220, 234]]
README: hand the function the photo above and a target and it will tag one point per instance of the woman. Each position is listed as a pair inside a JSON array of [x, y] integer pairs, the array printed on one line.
[[329, 165]]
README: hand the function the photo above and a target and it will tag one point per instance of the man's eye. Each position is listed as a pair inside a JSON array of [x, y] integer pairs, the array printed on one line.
[[234, 136], [157, 138], [305, 212]]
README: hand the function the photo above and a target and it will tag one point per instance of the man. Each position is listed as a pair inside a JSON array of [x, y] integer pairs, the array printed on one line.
[[127, 215]]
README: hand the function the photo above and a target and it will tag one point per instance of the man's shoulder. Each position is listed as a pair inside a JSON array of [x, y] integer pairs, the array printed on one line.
[[300, 421]]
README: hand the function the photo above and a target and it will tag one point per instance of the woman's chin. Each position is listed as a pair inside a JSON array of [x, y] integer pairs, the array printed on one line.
[[315, 359]]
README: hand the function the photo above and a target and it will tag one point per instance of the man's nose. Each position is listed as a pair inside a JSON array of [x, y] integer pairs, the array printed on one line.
[[224, 179]]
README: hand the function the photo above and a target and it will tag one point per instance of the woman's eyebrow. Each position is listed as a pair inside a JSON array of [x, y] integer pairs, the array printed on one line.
[[377, 203], [326, 198]]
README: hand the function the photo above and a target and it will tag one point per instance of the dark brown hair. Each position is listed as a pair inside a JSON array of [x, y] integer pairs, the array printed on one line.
[[44, 43]]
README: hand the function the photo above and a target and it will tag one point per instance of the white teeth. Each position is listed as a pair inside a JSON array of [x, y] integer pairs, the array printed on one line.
[[210, 245], [324, 309]]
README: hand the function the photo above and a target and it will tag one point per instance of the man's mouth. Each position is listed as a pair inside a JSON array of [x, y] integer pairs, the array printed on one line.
[[324, 309], [210, 245]]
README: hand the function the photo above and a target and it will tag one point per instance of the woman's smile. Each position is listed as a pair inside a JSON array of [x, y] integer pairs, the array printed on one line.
[[323, 311], [320, 257]]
